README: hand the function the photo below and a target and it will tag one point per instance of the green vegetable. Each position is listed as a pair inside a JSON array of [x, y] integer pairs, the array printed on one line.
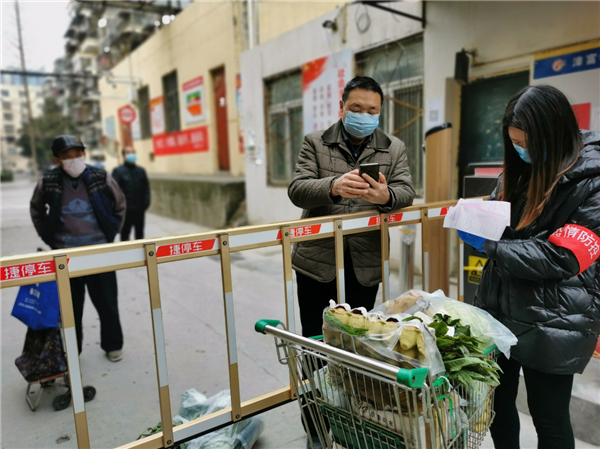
[[463, 359], [157, 429], [351, 330]]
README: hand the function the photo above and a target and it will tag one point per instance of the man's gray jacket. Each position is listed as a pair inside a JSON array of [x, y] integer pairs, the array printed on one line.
[[324, 158]]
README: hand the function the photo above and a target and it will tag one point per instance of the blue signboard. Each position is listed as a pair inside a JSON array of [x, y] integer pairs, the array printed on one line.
[[568, 63]]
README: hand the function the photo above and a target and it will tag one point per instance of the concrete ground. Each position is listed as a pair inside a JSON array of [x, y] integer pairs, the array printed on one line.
[[126, 403]]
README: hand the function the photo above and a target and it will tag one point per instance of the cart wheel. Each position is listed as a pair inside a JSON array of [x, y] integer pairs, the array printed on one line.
[[89, 393], [62, 402]]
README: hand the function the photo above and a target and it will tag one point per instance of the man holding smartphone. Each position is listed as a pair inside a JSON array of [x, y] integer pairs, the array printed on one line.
[[327, 182]]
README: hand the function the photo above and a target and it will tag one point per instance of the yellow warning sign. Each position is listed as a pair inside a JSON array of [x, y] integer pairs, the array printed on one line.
[[475, 268]]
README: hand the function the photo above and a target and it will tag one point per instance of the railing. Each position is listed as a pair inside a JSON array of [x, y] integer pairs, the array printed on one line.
[[61, 265]]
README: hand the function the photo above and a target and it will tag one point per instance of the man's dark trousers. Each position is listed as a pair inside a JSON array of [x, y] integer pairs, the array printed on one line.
[[314, 296], [103, 292], [133, 219]]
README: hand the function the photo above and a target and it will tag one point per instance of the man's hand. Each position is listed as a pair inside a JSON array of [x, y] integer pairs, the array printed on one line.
[[350, 185], [378, 192]]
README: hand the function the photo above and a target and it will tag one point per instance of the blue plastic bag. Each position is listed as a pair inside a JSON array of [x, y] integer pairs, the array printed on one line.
[[37, 305]]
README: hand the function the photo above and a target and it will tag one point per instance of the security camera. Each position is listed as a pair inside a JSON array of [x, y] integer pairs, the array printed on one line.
[[331, 24]]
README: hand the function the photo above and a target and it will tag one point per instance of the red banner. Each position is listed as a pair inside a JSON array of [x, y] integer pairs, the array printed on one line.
[[193, 140]]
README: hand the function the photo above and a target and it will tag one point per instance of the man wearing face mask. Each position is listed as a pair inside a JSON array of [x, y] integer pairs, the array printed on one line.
[[327, 182], [74, 205], [133, 182]]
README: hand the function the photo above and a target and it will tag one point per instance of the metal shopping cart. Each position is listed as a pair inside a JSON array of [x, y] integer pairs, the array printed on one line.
[[356, 402]]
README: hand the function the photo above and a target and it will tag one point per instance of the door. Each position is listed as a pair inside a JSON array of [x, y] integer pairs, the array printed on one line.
[[220, 96], [482, 109]]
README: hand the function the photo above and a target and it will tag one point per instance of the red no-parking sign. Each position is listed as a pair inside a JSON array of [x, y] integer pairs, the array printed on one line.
[[127, 114]]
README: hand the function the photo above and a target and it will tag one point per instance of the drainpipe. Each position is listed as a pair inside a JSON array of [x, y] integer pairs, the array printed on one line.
[[250, 24]]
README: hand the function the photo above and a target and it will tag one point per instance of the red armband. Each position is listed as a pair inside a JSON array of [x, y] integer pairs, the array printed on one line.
[[582, 242]]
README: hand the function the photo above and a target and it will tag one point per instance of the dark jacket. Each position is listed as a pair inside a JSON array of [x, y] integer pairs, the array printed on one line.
[[324, 158], [533, 284], [133, 182], [104, 193]]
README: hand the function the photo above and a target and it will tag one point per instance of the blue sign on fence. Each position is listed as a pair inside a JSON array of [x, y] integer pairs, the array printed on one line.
[[567, 63]]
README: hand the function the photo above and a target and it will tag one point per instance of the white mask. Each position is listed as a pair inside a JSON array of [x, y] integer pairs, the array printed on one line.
[[74, 167]]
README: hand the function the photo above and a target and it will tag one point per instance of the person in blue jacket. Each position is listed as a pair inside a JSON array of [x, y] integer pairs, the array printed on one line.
[[541, 279]]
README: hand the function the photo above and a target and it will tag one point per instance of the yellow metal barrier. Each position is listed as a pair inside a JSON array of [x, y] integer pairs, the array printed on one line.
[[61, 265]]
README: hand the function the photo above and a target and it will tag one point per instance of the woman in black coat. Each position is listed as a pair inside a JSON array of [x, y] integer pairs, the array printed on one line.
[[542, 279]]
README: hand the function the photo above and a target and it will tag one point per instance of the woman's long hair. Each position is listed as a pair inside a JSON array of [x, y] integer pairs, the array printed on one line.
[[544, 114]]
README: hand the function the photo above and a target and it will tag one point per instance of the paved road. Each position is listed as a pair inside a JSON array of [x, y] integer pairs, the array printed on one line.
[[127, 403]]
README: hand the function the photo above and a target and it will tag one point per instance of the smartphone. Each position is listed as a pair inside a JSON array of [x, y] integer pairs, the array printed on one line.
[[370, 169]]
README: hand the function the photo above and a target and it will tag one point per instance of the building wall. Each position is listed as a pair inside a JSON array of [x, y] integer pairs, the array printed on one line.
[[288, 52], [505, 35], [276, 18], [193, 51]]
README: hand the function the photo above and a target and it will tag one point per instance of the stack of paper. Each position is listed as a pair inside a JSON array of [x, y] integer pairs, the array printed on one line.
[[486, 219]]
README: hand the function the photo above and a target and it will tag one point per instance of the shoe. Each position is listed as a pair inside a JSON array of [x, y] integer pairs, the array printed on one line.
[[316, 443], [115, 356]]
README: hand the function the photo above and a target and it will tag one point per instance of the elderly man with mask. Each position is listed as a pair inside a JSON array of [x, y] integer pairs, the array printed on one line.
[[74, 205]]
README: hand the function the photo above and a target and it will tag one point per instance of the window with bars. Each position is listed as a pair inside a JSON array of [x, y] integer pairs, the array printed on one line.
[[398, 68], [144, 109], [284, 126], [171, 99]]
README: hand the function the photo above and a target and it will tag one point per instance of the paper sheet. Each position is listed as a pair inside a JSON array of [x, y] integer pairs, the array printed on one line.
[[486, 219]]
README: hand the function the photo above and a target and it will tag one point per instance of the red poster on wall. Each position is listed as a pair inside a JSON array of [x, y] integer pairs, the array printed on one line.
[[583, 112], [193, 140]]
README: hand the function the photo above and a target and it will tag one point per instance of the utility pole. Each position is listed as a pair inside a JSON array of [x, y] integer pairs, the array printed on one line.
[[27, 99]]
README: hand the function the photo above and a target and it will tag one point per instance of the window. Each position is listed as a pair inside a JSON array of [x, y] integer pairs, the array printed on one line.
[[144, 109], [171, 95], [21, 93], [8, 117], [9, 128], [284, 126], [398, 67], [12, 150], [5, 93], [6, 105]]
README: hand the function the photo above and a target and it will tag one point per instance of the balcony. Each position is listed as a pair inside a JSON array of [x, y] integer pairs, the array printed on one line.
[[90, 45]]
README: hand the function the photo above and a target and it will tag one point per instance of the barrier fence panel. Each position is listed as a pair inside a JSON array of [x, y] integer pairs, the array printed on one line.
[[62, 265]]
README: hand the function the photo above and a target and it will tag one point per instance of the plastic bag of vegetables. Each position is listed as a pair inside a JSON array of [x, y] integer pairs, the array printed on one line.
[[240, 435], [383, 338], [484, 327]]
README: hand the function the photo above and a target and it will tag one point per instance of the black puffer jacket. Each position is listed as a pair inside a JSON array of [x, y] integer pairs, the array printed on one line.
[[535, 287], [133, 182]]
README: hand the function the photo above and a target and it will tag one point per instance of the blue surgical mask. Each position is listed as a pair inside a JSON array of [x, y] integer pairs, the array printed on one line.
[[361, 125], [131, 158], [523, 153]]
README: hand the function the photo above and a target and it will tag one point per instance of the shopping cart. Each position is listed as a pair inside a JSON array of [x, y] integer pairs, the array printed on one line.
[[357, 402], [42, 362]]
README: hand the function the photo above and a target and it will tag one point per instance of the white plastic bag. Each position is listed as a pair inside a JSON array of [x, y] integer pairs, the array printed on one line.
[[484, 327], [240, 435]]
